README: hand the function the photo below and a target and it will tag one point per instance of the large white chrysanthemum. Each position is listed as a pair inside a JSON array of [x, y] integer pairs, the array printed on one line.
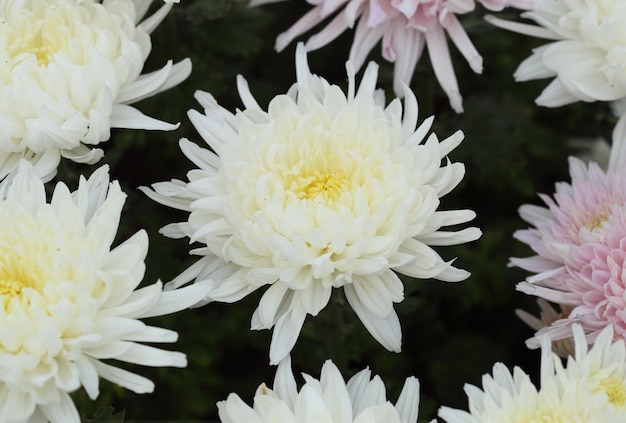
[[590, 389], [327, 400], [68, 301], [586, 57], [323, 190], [70, 69]]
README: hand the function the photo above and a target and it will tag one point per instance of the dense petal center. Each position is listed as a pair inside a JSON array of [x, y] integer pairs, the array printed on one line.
[[328, 186], [33, 36], [322, 185], [47, 278], [615, 389], [15, 276]]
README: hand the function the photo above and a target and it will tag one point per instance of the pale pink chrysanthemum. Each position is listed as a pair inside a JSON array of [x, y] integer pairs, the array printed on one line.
[[405, 27], [578, 241]]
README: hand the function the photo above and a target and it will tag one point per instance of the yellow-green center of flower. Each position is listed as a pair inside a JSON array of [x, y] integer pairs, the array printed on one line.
[[615, 389], [329, 186], [36, 36], [14, 277], [598, 220], [11, 287]]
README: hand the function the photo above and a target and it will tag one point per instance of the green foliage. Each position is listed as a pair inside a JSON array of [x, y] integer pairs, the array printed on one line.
[[105, 415]]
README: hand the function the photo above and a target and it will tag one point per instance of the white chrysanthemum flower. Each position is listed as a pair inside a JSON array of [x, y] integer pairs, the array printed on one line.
[[586, 56], [565, 394], [70, 70], [68, 301], [327, 400], [324, 190], [602, 368]]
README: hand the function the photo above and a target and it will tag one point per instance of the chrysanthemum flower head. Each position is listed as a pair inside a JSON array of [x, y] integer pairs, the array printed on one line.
[[586, 52], [601, 368], [405, 28], [70, 70], [327, 400], [68, 300], [323, 190], [578, 244], [591, 388]]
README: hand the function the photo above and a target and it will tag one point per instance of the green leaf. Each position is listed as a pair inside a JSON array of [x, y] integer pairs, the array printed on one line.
[[105, 415]]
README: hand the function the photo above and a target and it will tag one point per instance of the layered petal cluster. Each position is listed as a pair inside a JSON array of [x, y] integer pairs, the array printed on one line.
[[585, 55], [70, 70], [327, 400], [323, 190], [404, 28], [68, 300], [578, 240], [591, 388]]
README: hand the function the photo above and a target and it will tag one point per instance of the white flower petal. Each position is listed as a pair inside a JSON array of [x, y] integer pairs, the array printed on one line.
[[385, 330], [328, 399]]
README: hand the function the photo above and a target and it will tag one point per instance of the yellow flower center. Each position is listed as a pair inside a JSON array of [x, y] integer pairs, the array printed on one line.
[[45, 40], [328, 186], [13, 278], [11, 287], [615, 389], [598, 220]]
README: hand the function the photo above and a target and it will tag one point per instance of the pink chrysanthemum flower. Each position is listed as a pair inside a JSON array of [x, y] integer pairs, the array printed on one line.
[[405, 27], [579, 241]]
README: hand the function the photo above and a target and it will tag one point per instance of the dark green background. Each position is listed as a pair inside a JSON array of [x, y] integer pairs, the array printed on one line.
[[452, 333]]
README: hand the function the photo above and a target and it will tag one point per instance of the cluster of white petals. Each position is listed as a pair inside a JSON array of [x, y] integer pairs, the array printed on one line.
[[323, 190], [591, 388], [70, 69], [68, 300], [327, 400], [586, 53]]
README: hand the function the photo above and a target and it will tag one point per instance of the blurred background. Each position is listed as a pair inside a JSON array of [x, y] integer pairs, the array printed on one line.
[[453, 333]]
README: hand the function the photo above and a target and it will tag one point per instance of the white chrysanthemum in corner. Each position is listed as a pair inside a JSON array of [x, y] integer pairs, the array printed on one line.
[[327, 400], [590, 389], [67, 300], [70, 70], [324, 190], [602, 368], [586, 56]]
